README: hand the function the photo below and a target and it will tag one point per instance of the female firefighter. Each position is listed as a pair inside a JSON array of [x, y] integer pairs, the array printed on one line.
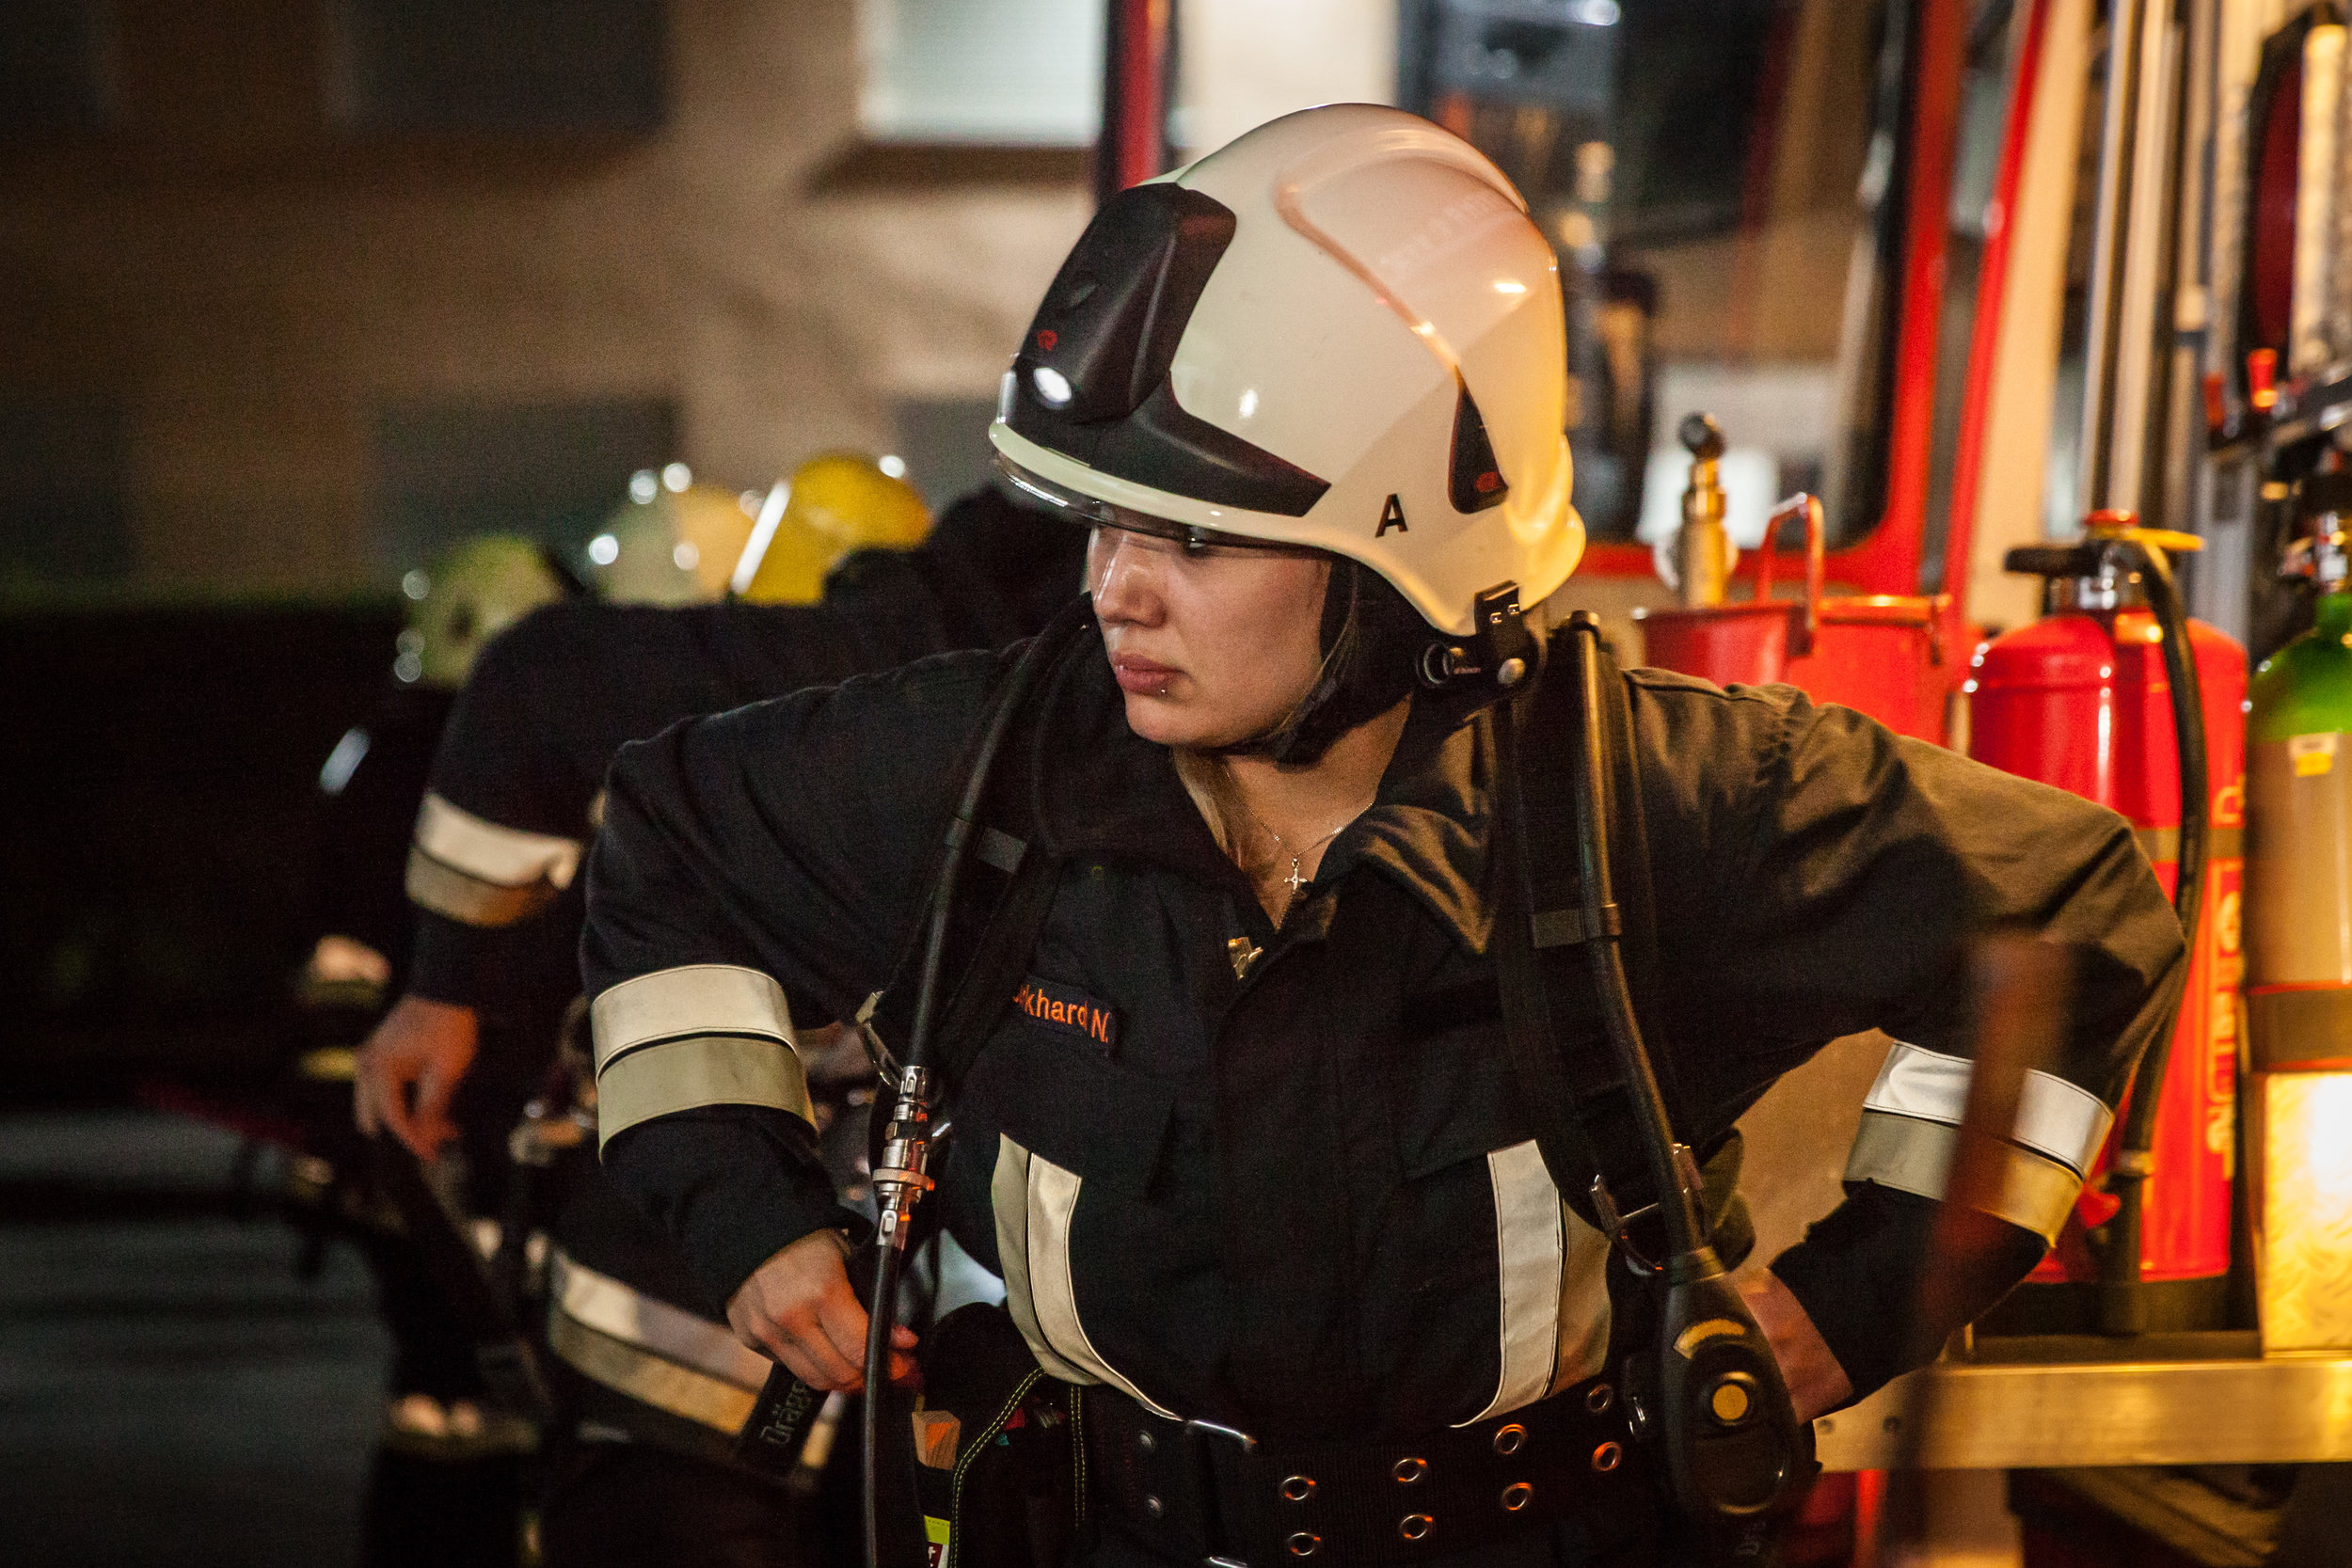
[[1245, 1144]]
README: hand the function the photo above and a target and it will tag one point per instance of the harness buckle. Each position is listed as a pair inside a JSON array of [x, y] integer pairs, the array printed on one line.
[[1198, 1435], [886, 1066], [1619, 1222]]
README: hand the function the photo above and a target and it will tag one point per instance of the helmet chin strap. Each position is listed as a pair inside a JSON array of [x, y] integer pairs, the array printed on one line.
[[1372, 642]]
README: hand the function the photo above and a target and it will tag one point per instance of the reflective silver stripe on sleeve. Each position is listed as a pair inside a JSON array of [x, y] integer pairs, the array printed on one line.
[[630, 1315], [2058, 1119], [650, 1379], [689, 1074], [472, 870], [698, 1035], [2162, 846], [1035, 1202], [470, 901], [691, 999], [1914, 1155], [479, 848]]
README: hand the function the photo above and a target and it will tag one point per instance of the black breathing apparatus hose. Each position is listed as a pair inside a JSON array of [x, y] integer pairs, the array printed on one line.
[[1579, 640], [903, 1175], [1707, 1390], [2122, 1303], [1685, 1228]]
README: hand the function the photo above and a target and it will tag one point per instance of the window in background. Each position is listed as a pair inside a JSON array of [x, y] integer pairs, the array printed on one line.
[[442, 471], [58, 68], [1719, 182], [944, 442], [496, 65], [1988, 79], [985, 72], [64, 512], [1241, 63]]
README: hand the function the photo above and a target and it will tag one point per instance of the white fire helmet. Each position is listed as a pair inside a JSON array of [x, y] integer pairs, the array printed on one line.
[[1342, 330]]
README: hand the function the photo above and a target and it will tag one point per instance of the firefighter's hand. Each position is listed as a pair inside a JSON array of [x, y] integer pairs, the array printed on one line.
[[410, 1069], [797, 1308], [1817, 1384]]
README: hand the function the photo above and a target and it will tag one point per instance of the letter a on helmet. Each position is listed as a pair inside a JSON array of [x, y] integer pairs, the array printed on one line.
[[1342, 330]]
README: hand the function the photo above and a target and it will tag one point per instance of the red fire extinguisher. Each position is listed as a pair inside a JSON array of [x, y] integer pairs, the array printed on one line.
[[2100, 697]]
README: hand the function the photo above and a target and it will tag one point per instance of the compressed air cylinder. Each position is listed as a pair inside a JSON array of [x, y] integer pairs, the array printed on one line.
[[2298, 913], [2299, 939]]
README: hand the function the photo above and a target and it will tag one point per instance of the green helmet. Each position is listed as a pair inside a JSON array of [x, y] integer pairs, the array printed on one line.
[[469, 594]]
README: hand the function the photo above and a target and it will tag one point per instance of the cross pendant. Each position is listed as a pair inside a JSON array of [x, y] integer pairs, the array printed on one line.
[[1295, 879]]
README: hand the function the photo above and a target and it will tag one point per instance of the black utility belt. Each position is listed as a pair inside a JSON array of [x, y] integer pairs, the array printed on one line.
[[1206, 1493]]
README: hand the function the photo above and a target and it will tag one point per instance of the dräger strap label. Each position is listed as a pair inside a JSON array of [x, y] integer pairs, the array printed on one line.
[[1068, 1008]]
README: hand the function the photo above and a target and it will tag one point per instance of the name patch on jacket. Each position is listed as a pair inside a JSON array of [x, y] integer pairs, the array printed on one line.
[[1067, 1007]]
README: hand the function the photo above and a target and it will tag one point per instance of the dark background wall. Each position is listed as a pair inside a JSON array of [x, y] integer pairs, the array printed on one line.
[[292, 289]]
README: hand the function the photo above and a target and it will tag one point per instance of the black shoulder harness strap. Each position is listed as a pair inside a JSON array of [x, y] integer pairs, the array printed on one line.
[[998, 959], [1579, 1099], [999, 955], [998, 963]]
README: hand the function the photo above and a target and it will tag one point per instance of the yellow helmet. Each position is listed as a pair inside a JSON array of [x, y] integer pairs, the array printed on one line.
[[672, 542], [835, 503], [470, 594]]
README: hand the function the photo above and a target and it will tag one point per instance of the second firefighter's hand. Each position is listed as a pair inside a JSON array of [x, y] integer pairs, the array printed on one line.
[[797, 1308], [409, 1070]]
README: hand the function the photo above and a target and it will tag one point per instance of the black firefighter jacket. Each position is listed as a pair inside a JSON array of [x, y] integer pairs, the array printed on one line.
[[1303, 1198], [493, 866]]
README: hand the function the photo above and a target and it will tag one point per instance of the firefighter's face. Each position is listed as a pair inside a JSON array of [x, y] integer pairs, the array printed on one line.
[[1212, 645]]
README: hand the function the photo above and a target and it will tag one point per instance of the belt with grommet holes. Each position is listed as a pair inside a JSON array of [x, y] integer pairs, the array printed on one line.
[[1210, 1494]]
